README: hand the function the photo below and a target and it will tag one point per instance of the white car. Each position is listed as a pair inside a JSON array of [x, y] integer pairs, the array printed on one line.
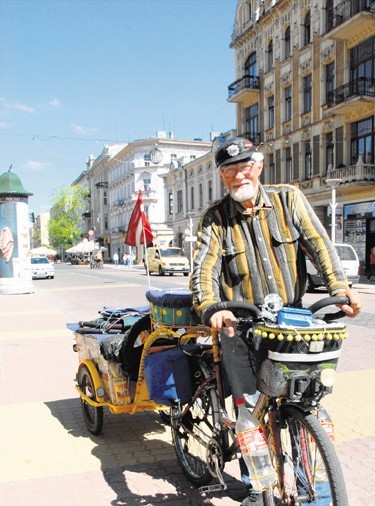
[[349, 261], [41, 268]]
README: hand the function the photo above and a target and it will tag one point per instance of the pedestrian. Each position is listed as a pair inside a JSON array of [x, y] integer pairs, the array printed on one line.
[[115, 259], [372, 263], [253, 243], [125, 259]]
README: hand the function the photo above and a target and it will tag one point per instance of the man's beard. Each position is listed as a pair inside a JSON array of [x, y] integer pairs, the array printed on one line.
[[243, 192]]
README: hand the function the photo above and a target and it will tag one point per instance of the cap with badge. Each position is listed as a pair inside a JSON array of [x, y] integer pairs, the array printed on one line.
[[236, 149]]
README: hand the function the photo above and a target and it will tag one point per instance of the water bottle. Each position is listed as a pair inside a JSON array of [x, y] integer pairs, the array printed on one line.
[[254, 449]]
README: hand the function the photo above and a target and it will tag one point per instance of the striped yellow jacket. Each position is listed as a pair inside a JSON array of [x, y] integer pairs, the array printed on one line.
[[245, 257]]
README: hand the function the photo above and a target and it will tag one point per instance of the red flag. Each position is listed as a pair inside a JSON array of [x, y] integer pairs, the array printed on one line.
[[139, 227]]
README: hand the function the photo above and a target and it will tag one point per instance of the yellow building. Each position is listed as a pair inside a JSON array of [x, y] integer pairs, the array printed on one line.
[[305, 91]]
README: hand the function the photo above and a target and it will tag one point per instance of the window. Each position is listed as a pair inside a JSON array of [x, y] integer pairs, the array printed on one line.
[[271, 112], [288, 103], [105, 198], [191, 197], [306, 30], [329, 15], [329, 151], [147, 159], [192, 157], [170, 203], [270, 55], [288, 165], [106, 221], [147, 184], [251, 69], [252, 123], [179, 201], [308, 164], [307, 94], [362, 140], [330, 80], [200, 195], [210, 194], [362, 67], [287, 43], [272, 169]]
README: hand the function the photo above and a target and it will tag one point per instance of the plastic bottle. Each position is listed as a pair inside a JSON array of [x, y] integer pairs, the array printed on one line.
[[254, 449]]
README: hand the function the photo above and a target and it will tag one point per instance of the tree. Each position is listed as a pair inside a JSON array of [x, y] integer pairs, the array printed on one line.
[[64, 227]]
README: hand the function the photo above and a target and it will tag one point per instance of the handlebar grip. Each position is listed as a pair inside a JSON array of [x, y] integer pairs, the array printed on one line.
[[328, 301], [230, 306]]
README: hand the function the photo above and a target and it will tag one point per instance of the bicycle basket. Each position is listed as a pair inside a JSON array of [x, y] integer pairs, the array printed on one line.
[[285, 354]]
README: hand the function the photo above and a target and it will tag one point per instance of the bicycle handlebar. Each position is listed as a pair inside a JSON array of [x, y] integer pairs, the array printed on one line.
[[255, 312], [229, 305]]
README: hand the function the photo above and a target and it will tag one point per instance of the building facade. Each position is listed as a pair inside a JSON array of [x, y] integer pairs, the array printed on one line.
[[140, 165], [305, 91]]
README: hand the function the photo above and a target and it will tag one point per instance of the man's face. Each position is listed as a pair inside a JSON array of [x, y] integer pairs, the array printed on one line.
[[242, 179]]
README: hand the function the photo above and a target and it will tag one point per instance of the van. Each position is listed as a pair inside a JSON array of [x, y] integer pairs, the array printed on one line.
[[349, 261], [167, 260]]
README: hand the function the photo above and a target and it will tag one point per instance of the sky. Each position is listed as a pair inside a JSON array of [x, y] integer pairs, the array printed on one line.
[[76, 75]]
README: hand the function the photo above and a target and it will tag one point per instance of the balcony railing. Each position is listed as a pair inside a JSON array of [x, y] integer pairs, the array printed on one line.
[[245, 82], [347, 9], [363, 86], [254, 137], [359, 172]]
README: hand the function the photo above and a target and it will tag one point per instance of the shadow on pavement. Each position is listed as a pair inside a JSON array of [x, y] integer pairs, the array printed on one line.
[[137, 458]]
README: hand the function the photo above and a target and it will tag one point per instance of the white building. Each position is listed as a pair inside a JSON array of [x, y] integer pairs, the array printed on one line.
[[139, 166]]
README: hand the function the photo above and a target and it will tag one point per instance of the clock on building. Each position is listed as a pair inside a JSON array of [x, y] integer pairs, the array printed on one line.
[[156, 155]]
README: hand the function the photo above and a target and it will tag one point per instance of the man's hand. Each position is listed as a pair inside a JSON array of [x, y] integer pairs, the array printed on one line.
[[356, 302], [224, 319]]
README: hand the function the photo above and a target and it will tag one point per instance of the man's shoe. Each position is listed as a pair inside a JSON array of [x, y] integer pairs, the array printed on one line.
[[253, 499]]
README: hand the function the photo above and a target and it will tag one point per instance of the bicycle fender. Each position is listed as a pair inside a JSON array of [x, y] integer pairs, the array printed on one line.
[[95, 377], [304, 409]]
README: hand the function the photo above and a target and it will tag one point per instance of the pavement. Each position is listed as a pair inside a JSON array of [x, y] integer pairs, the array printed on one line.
[[48, 457]]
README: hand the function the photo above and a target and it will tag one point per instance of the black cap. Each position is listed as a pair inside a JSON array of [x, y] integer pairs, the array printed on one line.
[[235, 149]]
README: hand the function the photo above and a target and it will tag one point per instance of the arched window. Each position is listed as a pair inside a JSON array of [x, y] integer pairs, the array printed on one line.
[[287, 43], [270, 55], [307, 29], [251, 69]]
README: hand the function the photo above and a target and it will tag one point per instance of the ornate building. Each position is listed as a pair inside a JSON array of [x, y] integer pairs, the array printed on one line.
[[305, 90]]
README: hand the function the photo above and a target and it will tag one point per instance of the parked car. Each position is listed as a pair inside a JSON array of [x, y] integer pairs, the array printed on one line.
[[168, 260], [349, 260], [41, 267]]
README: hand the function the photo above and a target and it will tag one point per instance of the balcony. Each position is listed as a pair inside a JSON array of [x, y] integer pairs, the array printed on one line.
[[351, 20], [346, 99], [245, 90], [360, 172], [254, 137]]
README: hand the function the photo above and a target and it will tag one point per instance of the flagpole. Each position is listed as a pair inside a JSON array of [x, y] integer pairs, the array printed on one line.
[[146, 258]]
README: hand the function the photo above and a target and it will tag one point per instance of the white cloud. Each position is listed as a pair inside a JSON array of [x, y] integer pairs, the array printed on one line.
[[33, 165], [19, 106], [81, 130], [55, 102], [4, 125]]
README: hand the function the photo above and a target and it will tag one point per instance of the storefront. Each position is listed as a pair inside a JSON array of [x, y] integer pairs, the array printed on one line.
[[359, 229]]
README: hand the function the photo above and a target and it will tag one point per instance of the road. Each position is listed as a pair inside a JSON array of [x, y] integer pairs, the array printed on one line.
[[47, 455]]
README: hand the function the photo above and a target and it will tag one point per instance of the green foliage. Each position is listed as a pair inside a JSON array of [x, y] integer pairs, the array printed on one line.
[[64, 227]]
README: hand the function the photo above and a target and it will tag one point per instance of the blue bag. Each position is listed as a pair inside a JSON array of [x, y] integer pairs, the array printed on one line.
[[168, 376]]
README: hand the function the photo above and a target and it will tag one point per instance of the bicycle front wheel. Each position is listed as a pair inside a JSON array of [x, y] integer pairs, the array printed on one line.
[[193, 429], [310, 470]]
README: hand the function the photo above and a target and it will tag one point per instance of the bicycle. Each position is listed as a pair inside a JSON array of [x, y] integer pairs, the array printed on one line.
[[295, 368]]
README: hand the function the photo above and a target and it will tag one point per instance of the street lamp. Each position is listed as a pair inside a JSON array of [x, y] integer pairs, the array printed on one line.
[[190, 237], [333, 183]]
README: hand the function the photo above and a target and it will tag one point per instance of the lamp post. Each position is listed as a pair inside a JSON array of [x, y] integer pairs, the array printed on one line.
[[333, 183]]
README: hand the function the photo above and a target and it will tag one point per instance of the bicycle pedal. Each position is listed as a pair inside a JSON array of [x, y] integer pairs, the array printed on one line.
[[213, 488]]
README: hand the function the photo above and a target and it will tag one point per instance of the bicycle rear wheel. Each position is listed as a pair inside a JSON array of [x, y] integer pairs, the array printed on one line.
[[311, 470], [193, 428]]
